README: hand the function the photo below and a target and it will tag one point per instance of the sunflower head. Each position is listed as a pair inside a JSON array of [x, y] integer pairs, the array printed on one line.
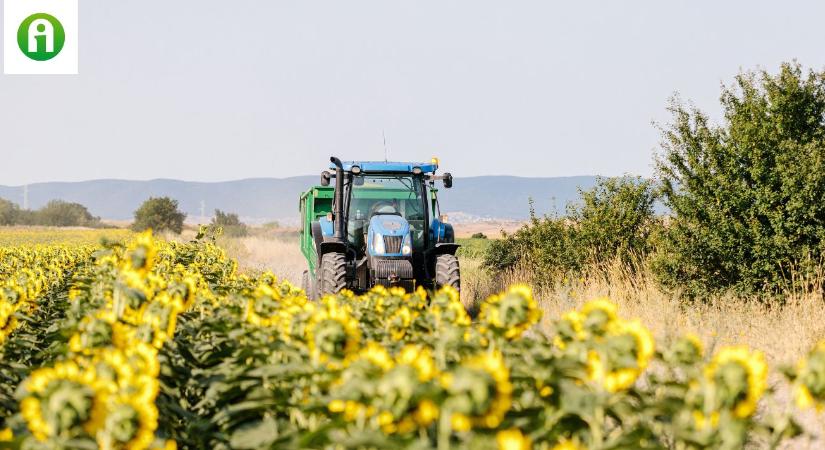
[[479, 392], [810, 379], [510, 313], [402, 393], [739, 378], [64, 401], [332, 334], [686, 350], [513, 439], [129, 423], [599, 315], [141, 253]]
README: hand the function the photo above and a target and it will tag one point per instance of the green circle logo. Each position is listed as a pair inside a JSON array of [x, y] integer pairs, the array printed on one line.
[[41, 37]]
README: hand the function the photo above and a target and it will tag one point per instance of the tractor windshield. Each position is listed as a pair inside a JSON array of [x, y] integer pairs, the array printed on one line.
[[386, 194]]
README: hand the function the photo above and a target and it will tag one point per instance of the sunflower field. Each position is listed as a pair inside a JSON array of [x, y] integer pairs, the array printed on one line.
[[140, 343]]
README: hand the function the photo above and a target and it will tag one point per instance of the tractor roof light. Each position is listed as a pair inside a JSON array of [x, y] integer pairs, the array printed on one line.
[[355, 170], [434, 160]]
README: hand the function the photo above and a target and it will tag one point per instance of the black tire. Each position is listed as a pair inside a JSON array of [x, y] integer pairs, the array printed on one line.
[[332, 273], [447, 272], [308, 285]]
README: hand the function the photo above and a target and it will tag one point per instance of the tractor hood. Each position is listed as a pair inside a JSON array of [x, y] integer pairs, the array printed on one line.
[[389, 225], [389, 235]]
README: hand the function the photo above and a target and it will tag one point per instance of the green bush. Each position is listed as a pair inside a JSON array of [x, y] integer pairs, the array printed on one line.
[[613, 220], [229, 223], [159, 214], [56, 213], [479, 236], [59, 213], [746, 194], [9, 212]]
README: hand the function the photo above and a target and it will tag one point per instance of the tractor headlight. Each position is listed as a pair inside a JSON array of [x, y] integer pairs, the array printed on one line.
[[378, 244], [406, 246]]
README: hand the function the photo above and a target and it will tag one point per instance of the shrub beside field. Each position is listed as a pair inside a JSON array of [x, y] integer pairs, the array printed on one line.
[[156, 344]]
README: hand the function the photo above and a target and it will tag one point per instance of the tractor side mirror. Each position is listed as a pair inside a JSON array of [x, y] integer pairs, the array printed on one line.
[[325, 177], [448, 180]]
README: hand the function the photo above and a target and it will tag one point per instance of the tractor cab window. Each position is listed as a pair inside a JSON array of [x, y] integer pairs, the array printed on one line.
[[372, 195]]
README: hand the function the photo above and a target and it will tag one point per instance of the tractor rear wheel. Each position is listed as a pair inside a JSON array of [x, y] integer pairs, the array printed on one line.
[[447, 272], [332, 273], [308, 285]]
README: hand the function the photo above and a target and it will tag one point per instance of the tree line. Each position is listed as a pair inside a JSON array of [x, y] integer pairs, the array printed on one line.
[[157, 213]]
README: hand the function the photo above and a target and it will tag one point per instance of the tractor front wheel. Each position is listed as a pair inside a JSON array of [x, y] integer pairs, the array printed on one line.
[[332, 273], [447, 272]]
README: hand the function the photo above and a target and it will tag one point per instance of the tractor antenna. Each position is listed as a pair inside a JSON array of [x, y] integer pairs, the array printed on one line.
[[384, 135]]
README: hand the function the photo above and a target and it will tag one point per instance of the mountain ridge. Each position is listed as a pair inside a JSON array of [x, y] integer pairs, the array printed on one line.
[[264, 199]]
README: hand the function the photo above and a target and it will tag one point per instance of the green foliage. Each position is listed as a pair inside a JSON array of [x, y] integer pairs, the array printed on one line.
[[613, 220], [59, 213], [473, 247], [9, 212], [229, 223], [56, 213], [479, 236], [746, 194], [159, 214]]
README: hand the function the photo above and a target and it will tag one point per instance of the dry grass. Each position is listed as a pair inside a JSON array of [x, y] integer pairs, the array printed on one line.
[[275, 250]]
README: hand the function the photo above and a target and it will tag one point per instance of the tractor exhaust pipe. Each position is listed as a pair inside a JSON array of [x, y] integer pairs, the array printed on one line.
[[339, 198]]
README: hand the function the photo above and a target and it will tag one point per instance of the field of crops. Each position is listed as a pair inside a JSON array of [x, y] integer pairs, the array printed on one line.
[[142, 343]]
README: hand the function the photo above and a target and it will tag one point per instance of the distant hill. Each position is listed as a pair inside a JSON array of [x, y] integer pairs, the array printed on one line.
[[263, 199]]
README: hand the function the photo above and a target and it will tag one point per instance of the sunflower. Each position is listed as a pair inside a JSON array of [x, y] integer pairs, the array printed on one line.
[[569, 328], [567, 444], [130, 423], [513, 439], [609, 366], [599, 315], [332, 334], [446, 307], [65, 400], [402, 396], [141, 253], [739, 377], [809, 388], [479, 392], [510, 313], [399, 322]]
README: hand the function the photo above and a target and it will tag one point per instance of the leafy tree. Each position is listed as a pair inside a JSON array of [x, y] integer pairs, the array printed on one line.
[[9, 212], [479, 235], [59, 213], [159, 214], [229, 223], [615, 219], [746, 194]]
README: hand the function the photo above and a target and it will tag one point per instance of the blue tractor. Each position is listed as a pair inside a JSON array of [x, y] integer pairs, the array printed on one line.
[[379, 225]]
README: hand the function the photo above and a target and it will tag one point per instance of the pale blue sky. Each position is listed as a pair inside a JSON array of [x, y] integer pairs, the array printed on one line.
[[207, 90]]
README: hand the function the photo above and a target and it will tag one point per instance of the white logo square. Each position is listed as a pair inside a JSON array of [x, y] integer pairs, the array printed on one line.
[[40, 37]]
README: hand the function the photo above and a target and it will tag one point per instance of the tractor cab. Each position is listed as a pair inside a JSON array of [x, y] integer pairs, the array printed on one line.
[[380, 225]]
